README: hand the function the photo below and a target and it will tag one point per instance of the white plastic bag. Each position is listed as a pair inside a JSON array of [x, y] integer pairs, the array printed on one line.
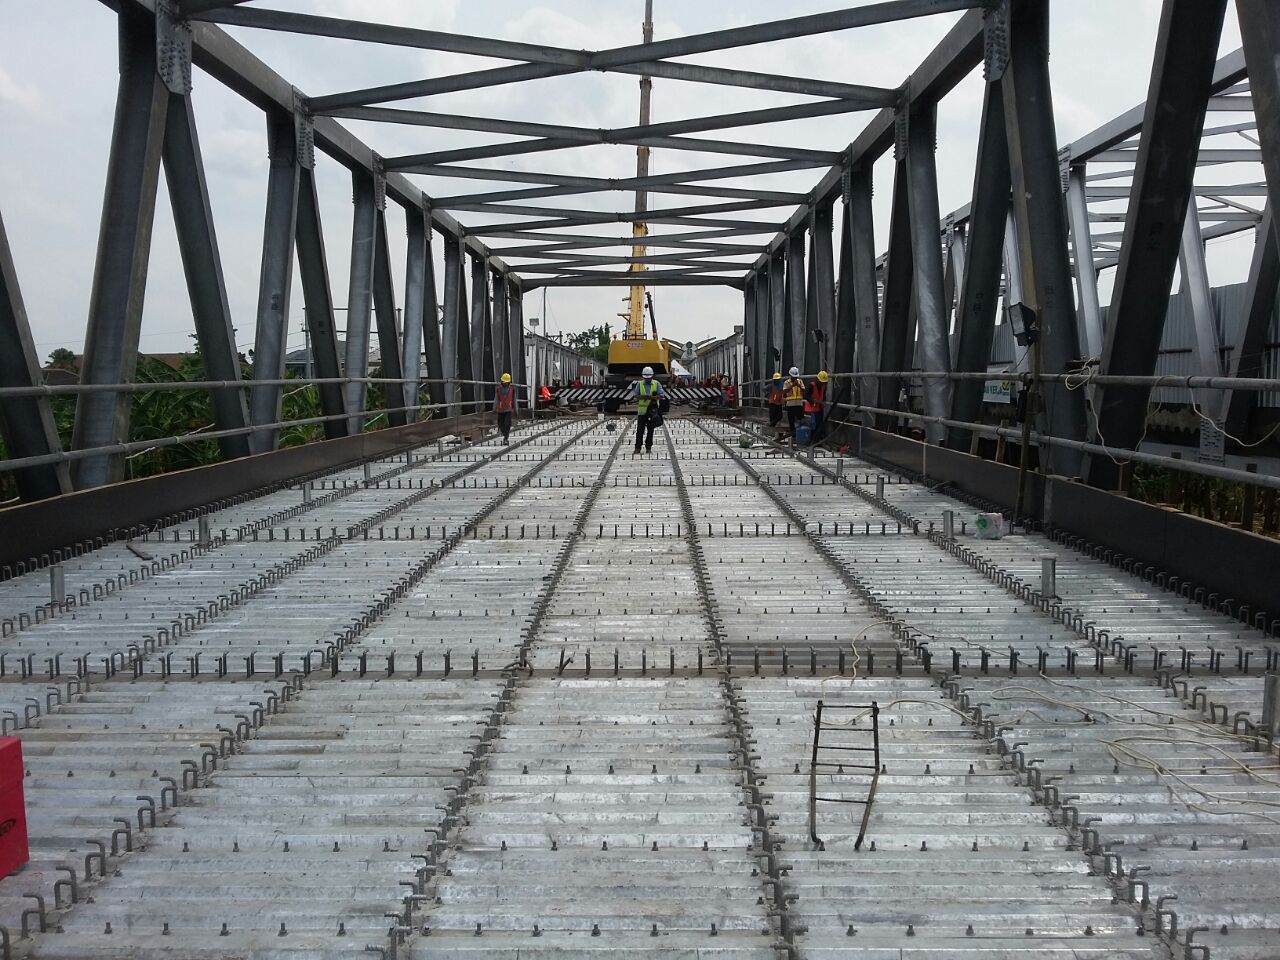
[[988, 526]]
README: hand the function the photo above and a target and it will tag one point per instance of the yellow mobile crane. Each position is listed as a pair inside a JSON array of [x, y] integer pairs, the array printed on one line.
[[634, 350]]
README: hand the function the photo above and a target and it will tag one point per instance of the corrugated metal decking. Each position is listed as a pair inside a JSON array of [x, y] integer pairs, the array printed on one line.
[[554, 699]]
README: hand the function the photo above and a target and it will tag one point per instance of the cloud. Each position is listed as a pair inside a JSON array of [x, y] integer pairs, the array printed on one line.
[[25, 98]]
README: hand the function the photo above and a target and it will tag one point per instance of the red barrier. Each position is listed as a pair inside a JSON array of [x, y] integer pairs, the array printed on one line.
[[14, 851]]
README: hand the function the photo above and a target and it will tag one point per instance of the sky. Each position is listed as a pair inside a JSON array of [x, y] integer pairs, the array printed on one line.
[[55, 124]]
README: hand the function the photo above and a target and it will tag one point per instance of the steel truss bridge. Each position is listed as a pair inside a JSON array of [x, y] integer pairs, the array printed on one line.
[[417, 692]]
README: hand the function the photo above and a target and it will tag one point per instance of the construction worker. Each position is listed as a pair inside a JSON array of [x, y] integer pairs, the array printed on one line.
[[773, 399], [647, 394], [504, 405], [815, 404], [793, 399]]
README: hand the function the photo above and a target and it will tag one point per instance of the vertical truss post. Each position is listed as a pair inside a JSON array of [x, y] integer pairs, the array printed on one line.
[[980, 283], [481, 332], [956, 241], [124, 249], [807, 349], [1195, 283], [793, 331], [1040, 216], [926, 253], [1251, 338], [763, 347], [275, 278], [1090, 313], [520, 367], [198, 245], [863, 289], [750, 336], [364, 243], [1181, 79], [778, 335], [501, 334], [390, 345], [845, 337], [416, 268], [898, 285], [26, 423], [317, 293], [456, 332], [1260, 32], [822, 290]]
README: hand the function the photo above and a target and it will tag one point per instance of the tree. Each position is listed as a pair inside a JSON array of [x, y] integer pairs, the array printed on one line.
[[592, 342], [62, 359]]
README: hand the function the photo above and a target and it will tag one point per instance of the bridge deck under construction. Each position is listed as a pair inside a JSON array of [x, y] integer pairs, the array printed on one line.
[[493, 701]]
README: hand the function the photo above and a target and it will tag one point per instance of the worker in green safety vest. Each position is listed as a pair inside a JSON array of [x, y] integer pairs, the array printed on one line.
[[646, 393]]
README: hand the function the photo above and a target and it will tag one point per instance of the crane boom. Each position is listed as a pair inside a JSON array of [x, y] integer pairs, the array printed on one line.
[[640, 230]]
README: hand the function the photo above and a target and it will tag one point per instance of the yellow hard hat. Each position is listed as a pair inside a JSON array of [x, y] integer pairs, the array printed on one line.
[[777, 376], [822, 376], [506, 378]]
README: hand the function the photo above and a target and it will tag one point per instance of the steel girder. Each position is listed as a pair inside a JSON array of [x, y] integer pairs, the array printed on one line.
[[26, 423], [124, 248], [821, 305], [275, 279], [421, 331], [481, 330], [456, 330], [860, 239], [317, 296], [794, 319], [1250, 344], [1260, 34], [515, 316], [202, 263], [926, 257], [980, 282], [1040, 216], [778, 335], [750, 335], [390, 343], [1181, 81], [558, 61], [364, 229], [896, 313]]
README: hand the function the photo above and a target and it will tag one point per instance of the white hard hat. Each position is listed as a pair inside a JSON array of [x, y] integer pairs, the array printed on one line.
[[647, 372], [794, 372]]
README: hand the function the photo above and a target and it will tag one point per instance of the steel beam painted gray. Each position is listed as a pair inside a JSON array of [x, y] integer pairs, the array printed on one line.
[[416, 267], [501, 332], [980, 284], [932, 314], [1086, 274], [481, 333], [477, 200], [26, 423], [1195, 284], [844, 340], [520, 373], [1250, 346], [794, 322], [364, 228], [124, 249], [390, 344], [742, 227], [590, 217], [778, 307], [1181, 80], [1260, 33], [202, 263], [860, 239], [822, 292], [624, 280], [275, 278], [416, 162], [870, 97], [651, 182], [895, 328], [947, 64], [884, 12], [317, 295]]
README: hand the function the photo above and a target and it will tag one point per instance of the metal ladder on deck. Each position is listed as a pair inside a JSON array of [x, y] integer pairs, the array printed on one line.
[[835, 748]]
